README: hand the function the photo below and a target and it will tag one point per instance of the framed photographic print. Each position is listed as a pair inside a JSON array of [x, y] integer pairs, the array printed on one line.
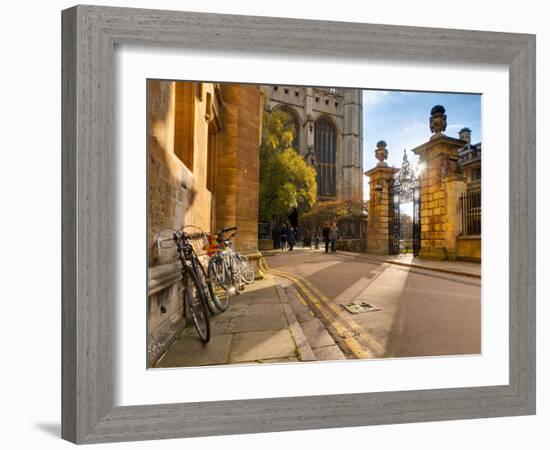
[[264, 230]]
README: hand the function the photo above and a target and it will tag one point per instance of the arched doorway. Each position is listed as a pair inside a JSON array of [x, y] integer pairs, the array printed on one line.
[[325, 157], [404, 190]]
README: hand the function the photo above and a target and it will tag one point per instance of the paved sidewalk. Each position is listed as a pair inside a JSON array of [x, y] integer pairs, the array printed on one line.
[[259, 327]]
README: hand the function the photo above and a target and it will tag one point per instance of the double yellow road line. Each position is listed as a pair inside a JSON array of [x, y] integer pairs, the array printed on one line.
[[348, 331]]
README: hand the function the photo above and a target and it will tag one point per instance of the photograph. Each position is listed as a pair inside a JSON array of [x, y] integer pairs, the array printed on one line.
[[261, 225], [291, 224]]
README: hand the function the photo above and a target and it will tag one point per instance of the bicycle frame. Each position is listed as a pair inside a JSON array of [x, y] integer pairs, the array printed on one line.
[[187, 256]]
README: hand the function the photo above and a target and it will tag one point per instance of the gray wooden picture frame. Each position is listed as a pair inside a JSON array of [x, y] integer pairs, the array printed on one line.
[[90, 34]]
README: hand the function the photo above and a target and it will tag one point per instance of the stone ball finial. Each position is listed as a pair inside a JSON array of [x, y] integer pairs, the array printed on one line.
[[381, 153], [438, 119]]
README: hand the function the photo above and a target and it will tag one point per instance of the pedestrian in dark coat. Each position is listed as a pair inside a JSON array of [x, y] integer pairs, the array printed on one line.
[[283, 237], [326, 233], [291, 238]]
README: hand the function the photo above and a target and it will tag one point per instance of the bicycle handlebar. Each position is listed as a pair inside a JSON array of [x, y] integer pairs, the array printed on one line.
[[232, 236], [220, 237], [198, 234]]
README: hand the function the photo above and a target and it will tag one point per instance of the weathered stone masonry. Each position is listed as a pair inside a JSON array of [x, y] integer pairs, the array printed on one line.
[[339, 109], [203, 169], [380, 180]]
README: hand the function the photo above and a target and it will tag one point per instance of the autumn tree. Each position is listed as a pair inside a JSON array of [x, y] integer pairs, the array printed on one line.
[[286, 180]]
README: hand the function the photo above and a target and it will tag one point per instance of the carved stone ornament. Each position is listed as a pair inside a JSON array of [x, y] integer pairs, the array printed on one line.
[[381, 153], [438, 119]]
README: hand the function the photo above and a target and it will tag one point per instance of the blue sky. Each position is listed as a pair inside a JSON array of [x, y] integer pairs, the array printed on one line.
[[402, 120]]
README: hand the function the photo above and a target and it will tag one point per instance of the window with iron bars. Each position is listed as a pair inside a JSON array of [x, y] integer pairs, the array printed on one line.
[[470, 207]]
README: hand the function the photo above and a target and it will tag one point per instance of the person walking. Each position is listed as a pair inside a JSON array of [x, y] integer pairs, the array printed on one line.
[[291, 238], [326, 235], [283, 236], [333, 236]]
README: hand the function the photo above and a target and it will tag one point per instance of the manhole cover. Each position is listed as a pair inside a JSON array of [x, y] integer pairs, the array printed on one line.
[[358, 308]]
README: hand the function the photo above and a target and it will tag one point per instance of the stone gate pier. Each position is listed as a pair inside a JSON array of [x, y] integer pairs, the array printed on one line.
[[380, 179], [441, 184]]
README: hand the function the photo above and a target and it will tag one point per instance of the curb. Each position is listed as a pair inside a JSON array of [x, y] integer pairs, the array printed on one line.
[[419, 266], [305, 353], [436, 269]]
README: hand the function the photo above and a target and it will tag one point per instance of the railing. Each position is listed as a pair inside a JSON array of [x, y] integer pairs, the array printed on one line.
[[352, 227], [470, 207]]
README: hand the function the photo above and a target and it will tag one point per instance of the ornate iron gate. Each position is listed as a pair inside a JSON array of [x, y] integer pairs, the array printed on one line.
[[404, 188], [416, 219], [395, 217]]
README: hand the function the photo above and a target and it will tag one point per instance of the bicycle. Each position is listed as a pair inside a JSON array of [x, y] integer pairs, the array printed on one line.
[[198, 292], [227, 267], [246, 272], [220, 270], [223, 268]]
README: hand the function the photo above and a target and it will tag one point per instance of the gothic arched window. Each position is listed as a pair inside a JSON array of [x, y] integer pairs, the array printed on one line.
[[293, 123], [325, 156]]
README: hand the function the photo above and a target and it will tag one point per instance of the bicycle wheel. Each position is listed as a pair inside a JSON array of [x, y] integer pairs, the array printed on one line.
[[247, 272], [221, 282], [208, 289], [235, 269], [195, 300]]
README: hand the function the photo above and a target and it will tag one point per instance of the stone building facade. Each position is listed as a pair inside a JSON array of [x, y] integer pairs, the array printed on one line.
[[469, 158], [203, 169], [329, 134]]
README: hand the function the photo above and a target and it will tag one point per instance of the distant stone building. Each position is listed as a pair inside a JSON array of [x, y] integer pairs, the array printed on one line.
[[203, 169], [469, 158], [329, 134]]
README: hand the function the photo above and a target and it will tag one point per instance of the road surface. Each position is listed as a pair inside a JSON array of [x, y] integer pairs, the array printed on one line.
[[421, 312]]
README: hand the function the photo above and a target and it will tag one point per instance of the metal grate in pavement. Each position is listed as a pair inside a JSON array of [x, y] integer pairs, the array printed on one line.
[[358, 308]]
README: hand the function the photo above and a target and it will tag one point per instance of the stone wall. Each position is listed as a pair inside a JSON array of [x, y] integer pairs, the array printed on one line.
[[205, 173], [170, 194], [239, 168], [350, 245], [469, 248], [177, 193]]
